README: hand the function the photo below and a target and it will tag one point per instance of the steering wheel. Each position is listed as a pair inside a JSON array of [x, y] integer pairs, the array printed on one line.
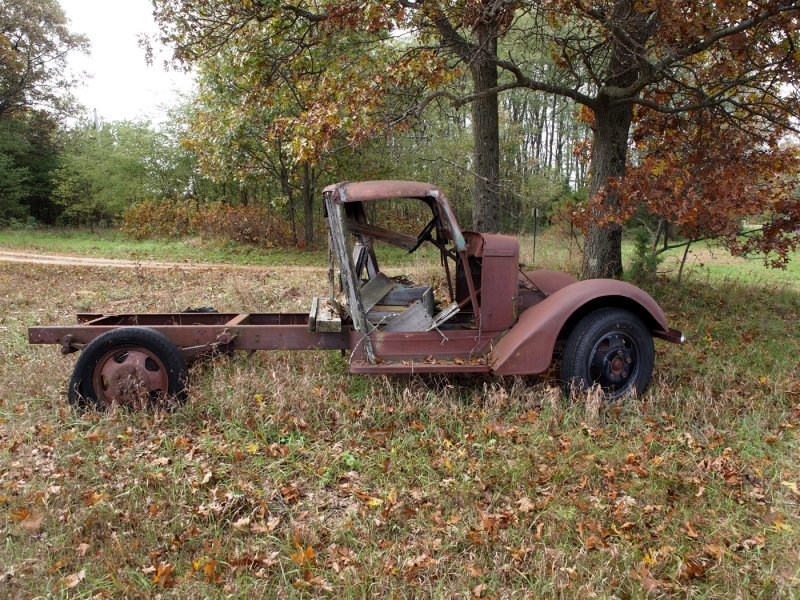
[[425, 234]]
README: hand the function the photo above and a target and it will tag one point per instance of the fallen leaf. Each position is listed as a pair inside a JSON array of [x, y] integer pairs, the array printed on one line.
[[32, 523], [21, 514], [56, 566], [478, 590], [272, 523], [92, 498], [649, 583], [82, 549], [525, 504], [242, 524], [792, 485], [164, 575], [72, 580], [474, 571], [95, 435], [691, 532], [691, 569]]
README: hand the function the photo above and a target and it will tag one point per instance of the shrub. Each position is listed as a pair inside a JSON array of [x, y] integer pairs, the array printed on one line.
[[644, 264], [255, 225]]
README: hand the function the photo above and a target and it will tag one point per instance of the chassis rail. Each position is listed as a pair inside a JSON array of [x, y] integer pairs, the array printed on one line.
[[199, 333]]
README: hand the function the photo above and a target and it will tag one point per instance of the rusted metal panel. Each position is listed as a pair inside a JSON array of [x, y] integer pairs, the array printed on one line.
[[499, 281], [535, 286], [366, 191], [500, 245], [548, 282], [411, 368], [528, 347], [474, 243], [267, 332], [147, 319], [448, 344], [493, 268]]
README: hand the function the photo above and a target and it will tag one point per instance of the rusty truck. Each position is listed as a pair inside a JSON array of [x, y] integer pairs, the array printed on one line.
[[489, 316]]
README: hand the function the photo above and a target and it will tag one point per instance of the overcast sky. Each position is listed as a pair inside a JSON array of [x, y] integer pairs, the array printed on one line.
[[123, 86]]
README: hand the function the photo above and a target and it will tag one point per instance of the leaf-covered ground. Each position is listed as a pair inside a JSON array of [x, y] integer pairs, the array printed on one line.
[[284, 476]]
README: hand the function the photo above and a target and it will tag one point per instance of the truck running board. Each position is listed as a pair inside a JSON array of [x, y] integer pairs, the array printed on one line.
[[407, 367]]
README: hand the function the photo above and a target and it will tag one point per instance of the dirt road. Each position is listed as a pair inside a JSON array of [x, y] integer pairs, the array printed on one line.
[[16, 256]]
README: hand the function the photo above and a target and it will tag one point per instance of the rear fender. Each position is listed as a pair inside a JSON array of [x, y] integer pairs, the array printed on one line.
[[528, 346]]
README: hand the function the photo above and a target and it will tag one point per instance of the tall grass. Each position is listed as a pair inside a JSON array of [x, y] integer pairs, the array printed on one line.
[[285, 477]]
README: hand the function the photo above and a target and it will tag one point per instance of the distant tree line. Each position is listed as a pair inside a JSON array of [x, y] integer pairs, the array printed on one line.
[[90, 172], [646, 112]]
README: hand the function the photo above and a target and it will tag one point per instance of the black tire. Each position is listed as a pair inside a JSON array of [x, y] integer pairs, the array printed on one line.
[[135, 367], [611, 347]]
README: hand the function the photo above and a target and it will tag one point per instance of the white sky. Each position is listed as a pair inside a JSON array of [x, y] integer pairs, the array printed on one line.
[[122, 86]]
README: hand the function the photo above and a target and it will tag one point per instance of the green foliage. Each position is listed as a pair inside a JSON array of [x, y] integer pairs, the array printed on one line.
[[13, 189], [105, 171], [34, 44], [27, 161], [645, 261], [97, 179]]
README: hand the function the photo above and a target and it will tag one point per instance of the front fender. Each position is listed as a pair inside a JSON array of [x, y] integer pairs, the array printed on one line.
[[528, 346]]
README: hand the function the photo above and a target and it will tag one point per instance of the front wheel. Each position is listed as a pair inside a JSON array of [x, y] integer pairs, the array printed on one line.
[[612, 348], [135, 367]]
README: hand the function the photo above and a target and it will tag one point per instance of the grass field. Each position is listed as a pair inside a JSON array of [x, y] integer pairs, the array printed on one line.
[[285, 477]]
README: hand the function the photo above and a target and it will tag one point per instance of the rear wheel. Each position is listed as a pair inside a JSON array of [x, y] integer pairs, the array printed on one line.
[[135, 367], [612, 348]]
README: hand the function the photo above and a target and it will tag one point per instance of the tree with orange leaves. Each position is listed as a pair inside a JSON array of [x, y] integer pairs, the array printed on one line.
[[622, 60], [705, 176]]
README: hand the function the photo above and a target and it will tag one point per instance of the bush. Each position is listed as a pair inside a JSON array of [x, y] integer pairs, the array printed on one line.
[[645, 261], [255, 225]]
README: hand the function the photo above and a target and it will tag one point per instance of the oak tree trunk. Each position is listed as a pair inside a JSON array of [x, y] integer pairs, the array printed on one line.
[[602, 252], [486, 136]]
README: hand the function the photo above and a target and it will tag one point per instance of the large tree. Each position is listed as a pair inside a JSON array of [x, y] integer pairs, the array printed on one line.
[[251, 118], [34, 43], [666, 56], [736, 57], [687, 158], [372, 83]]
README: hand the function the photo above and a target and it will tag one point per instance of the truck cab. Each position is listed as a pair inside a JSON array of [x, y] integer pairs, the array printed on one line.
[[497, 319]]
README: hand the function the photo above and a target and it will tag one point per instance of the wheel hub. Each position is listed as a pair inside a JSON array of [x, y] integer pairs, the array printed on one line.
[[613, 361], [617, 362], [130, 376]]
